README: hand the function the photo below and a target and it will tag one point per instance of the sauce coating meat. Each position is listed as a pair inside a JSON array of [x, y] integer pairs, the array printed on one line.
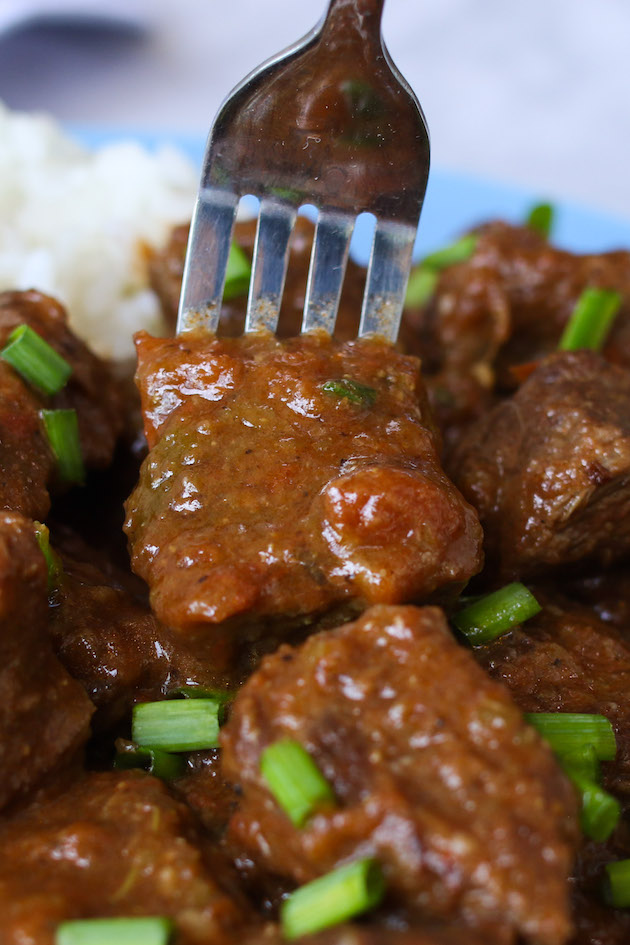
[[291, 486], [265, 494], [548, 469], [44, 713], [114, 844], [433, 768]]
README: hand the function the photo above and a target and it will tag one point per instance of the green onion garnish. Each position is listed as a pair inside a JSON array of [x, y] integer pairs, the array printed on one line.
[[53, 561], [600, 810], [118, 931], [62, 429], [421, 286], [617, 884], [35, 360], [346, 892], [591, 320], [583, 761], [202, 692], [540, 218], [572, 731], [159, 763], [176, 724], [295, 780], [353, 391], [495, 613], [459, 251], [237, 274], [424, 276]]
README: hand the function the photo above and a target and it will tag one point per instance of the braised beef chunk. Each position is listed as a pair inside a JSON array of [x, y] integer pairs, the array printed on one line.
[[26, 460], [114, 844], [567, 660], [113, 644], [425, 933], [596, 922], [264, 493], [548, 469], [91, 389], [434, 772], [44, 714], [510, 301]]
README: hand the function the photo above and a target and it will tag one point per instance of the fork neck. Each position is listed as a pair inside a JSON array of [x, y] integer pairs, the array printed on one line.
[[350, 20]]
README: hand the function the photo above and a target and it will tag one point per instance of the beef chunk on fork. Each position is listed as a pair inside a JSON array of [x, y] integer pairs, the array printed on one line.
[[266, 495], [434, 771], [548, 469], [114, 844], [44, 713]]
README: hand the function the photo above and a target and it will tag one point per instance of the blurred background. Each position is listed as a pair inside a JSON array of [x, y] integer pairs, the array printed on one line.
[[535, 94]]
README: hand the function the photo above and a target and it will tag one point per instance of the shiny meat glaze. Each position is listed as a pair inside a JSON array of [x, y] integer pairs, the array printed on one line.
[[433, 768], [265, 495], [548, 469], [431, 763], [44, 712], [113, 844]]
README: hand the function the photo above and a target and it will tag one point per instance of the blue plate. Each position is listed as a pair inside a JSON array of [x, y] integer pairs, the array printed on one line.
[[454, 202]]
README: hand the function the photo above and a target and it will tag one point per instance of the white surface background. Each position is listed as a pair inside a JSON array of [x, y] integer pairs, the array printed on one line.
[[536, 93]]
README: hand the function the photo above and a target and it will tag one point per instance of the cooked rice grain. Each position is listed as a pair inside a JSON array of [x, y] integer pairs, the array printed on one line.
[[75, 224]]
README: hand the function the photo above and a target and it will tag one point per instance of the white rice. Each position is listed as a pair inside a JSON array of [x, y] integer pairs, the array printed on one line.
[[73, 224]]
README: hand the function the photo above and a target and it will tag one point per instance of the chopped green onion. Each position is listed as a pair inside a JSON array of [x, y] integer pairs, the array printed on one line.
[[617, 884], [591, 320], [495, 613], [147, 930], [600, 810], [346, 892], [424, 277], [62, 429], [540, 218], [295, 780], [53, 561], [176, 724], [159, 763], [35, 360], [237, 274], [353, 391], [582, 761], [421, 286], [572, 731], [459, 251], [202, 692]]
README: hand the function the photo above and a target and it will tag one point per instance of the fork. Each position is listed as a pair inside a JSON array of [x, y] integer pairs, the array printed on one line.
[[329, 122]]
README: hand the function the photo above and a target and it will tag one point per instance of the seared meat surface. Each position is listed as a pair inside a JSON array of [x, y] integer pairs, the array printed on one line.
[[294, 492], [114, 844], [548, 469], [44, 712], [265, 494], [434, 771]]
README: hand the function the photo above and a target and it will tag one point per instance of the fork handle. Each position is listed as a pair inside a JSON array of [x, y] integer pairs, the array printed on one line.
[[359, 17]]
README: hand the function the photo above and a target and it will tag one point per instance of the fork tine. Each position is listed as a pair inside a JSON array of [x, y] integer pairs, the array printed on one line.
[[329, 257], [387, 277], [271, 254], [206, 260]]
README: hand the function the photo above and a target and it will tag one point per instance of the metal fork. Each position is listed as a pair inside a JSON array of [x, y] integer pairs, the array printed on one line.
[[328, 122]]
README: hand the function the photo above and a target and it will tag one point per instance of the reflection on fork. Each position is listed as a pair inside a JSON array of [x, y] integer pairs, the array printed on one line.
[[330, 123]]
